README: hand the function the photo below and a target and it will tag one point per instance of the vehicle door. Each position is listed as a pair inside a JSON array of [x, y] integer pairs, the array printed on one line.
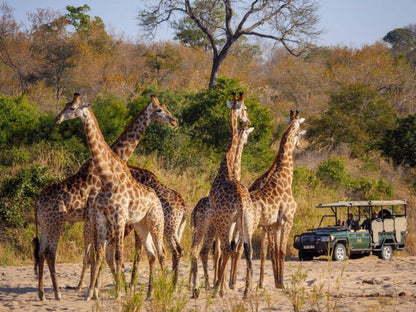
[[359, 240]]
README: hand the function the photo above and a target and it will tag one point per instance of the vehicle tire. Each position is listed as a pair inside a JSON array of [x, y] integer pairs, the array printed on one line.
[[304, 256], [340, 252], [386, 253]]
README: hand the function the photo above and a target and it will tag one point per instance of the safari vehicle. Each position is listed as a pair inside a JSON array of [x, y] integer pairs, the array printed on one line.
[[364, 234]]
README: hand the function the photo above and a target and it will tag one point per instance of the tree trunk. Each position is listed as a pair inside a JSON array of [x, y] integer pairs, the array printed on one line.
[[214, 72]]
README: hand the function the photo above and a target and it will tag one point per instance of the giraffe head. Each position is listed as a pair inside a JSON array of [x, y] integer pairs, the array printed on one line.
[[295, 121], [240, 108], [245, 134], [159, 112], [72, 110]]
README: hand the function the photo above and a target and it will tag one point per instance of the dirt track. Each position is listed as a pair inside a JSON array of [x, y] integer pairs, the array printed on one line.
[[366, 284]]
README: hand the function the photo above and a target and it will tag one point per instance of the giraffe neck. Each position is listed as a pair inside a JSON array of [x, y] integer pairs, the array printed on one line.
[[282, 167], [283, 164], [226, 167], [238, 156], [102, 156], [126, 143]]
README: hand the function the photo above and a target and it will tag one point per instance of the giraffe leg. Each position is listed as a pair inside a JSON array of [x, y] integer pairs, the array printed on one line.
[[204, 253], [149, 248], [263, 255], [282, 255], [225, 255], [197, 236], [137, 255], [50, 254], [217, 259], [118, 255], [235, 258], [41, 263], [95, 267], [87, 252], [248, 251], [176, 251]]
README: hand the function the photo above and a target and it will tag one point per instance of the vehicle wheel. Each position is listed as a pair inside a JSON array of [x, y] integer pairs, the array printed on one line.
[[304, 257], [386, 253], [340, 253]]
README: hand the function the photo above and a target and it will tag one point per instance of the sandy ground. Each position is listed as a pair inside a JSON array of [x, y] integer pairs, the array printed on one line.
[[366, 284]]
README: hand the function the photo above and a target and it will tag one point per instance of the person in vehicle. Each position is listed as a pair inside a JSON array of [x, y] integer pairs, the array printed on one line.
[[366, 225], [350, 220]]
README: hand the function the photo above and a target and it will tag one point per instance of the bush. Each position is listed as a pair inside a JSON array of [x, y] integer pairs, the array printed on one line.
[[333, 173], [17, 194], [357, 116], [18, 120], [206, 121], [400, 143]]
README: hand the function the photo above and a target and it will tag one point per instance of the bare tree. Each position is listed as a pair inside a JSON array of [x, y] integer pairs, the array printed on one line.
[[289, 22]]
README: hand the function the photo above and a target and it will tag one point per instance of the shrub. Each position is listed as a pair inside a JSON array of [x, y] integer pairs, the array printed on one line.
[[400, 143], [358, 116], [18, 120], [333, 173], [17, 193]]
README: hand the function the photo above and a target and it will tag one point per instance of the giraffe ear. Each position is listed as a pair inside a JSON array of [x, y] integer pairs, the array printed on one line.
[[301, 120], [250, 130], [229, 104], [288, 119], [303, 132]]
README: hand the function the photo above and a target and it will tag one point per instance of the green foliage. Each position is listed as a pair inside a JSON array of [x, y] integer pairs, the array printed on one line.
[[303, 177], [402, 41], [165, 296], [206, 120], [188, 33], [333, 173], [400, 143], [366, 188], [18, 120], [357, 115], [112, 116], [17, 193]]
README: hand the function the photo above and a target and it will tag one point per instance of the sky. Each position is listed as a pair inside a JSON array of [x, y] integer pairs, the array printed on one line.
[[352, 23]]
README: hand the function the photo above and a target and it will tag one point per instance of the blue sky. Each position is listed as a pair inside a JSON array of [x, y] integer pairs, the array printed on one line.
[[346, 22]]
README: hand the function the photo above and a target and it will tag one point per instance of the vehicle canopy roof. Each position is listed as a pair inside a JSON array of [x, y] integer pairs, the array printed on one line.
[[363, 203]]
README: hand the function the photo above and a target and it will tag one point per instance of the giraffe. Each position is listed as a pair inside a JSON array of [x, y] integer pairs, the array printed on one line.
[[121, 200], [198, 213], [66, 200], [174, 211], [272, 198], [228, 203]]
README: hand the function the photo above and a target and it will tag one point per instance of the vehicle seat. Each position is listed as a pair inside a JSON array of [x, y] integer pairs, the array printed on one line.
[[376, 227], [389, 225], [401, 226]]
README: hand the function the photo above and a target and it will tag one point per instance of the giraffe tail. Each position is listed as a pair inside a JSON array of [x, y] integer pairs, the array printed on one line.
[[36, 245]]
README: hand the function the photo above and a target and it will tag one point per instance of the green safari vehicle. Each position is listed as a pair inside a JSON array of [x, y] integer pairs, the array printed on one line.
[[371, 227]]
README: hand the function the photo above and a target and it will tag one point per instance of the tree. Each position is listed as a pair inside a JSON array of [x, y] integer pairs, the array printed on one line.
[[400, 142], [403, 42], [54, 49], [15, 50], [289, 22], [358, 116]]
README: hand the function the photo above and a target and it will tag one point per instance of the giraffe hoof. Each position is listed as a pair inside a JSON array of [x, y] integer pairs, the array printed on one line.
[[195, 293], [41, 296], [58, 297]]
